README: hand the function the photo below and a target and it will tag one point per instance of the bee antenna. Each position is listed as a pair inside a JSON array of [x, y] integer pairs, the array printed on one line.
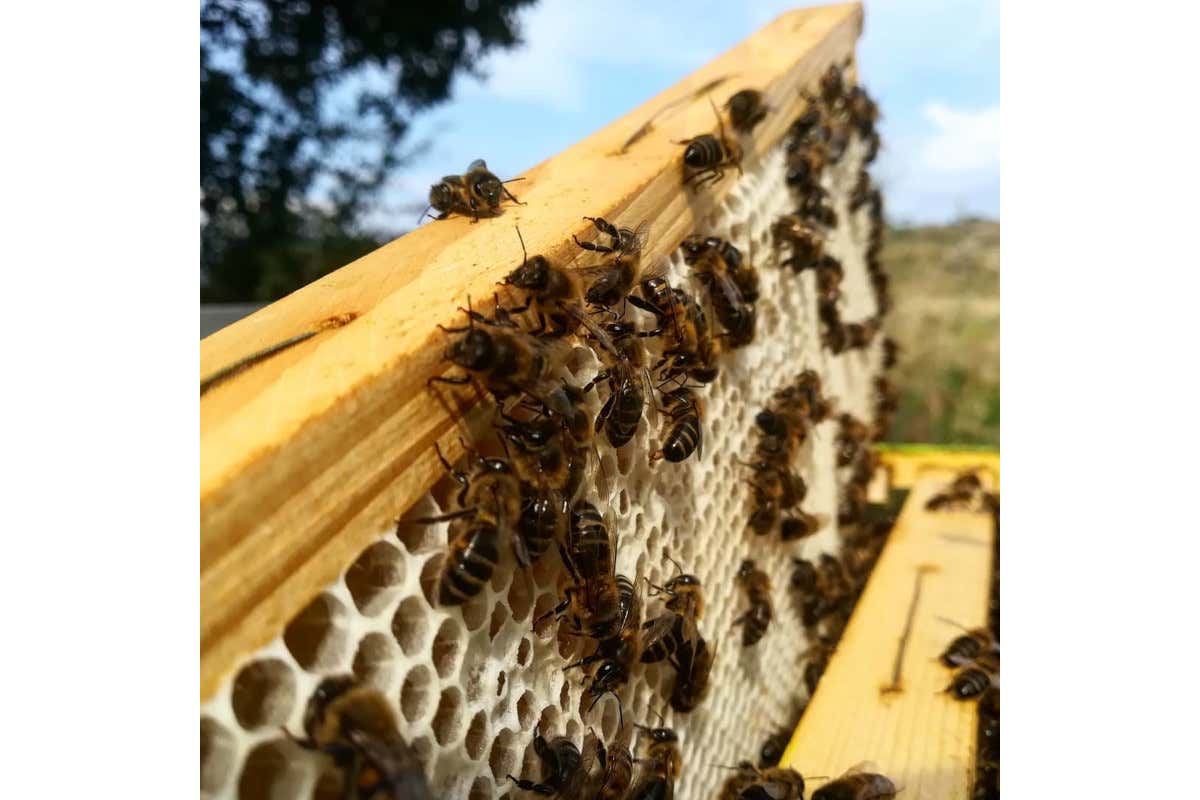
[[949, 621], [720, 122], [512, 180], [673, 561], [425, 213], [524, 254]]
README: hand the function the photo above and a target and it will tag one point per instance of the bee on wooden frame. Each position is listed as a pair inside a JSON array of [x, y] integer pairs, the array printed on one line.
[[746, 110], [706, 157], [625, 373], [356, 725], [860, 782], [507, 360], [477, 191], [549, 289], [616, 279]]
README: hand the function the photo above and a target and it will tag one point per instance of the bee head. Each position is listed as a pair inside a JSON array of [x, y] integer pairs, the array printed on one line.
[[694, 247], [533, 274], [607, 676], [684, 581], [326, 692], [441, 196], [746, 569], [661, 735], [474, 351], [804, 575], [495, 466], [487, 186]]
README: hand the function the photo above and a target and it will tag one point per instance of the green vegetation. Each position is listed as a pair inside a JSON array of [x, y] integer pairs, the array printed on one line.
[[946, 285]]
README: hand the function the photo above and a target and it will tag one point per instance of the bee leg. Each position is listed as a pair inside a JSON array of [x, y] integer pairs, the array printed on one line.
[[605, 411], [529, 786], [596, 248], [460, 513], [510, 195], [350, 777]]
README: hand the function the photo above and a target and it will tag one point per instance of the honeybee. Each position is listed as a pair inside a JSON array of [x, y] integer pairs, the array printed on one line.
[[716, 263], [804, 575], [965, 648], [476, 191], [592, 603], [832, 86], [691, 676], [798, 525], [614, 280], [775, 489], [563, 771], [673, 634], [757, 586], [683, 432], [862, 110], [971, 681], [617, 653], [806, 243], [816, 659], [690, 348], [549, 287], [833, 333], [891, 352], [707, 156], [804, 166], [617, 764], [621, 350], [508, 360], [771, 783], [356, 725], [858, 784], [663, 764], [487, 507], [746, 109]]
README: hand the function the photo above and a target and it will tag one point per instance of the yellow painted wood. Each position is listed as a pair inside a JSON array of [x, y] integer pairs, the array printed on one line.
[[918, 736], [307, 455], [906, 468]]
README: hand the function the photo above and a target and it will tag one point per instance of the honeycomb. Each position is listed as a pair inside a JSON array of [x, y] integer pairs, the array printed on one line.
[[472, 684]]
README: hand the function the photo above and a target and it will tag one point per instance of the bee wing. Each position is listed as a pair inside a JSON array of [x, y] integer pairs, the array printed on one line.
[[657, 270], [640, 234], [658, 628], [478, 163]]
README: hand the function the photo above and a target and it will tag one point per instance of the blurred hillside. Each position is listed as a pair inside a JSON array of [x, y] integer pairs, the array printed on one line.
[[946, 285]]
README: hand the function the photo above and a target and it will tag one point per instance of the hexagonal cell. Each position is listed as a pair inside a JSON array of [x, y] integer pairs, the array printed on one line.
[[499, 617], [216, 755], [482, 789], [520, 598], [447, 647], [315, 637], [410, 625], [503, 756], [431, 573], [524, 649], [477, 735], [272, 771], [527, 710], [263, 693], [475, 611], [375, 660], [416, 693], [373, 577], [447, 721]]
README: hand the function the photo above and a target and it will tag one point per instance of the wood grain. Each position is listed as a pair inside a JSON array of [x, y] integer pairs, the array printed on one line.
[[906, 468], [918, 736], [305, 457]]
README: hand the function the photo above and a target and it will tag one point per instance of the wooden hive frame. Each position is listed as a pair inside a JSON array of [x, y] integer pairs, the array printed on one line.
[[297, 451]]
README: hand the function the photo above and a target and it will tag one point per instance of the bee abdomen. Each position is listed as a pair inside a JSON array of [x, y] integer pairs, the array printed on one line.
[[682, 440], [469, 565], [622, 423], [961, 650], [703, 151], [591, 548], [970, 682]]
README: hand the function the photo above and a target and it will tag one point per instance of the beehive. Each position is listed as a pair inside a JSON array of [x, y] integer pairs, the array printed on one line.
[[472, 685]]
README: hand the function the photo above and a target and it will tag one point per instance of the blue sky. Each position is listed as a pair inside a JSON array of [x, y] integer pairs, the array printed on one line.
[[933, 66]]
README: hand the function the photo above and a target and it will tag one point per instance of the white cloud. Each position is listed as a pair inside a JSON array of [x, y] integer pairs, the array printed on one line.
[[566, 41], [964, 141]]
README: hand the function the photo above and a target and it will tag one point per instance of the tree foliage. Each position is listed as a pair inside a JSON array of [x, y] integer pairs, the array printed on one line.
[[304, 108]]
